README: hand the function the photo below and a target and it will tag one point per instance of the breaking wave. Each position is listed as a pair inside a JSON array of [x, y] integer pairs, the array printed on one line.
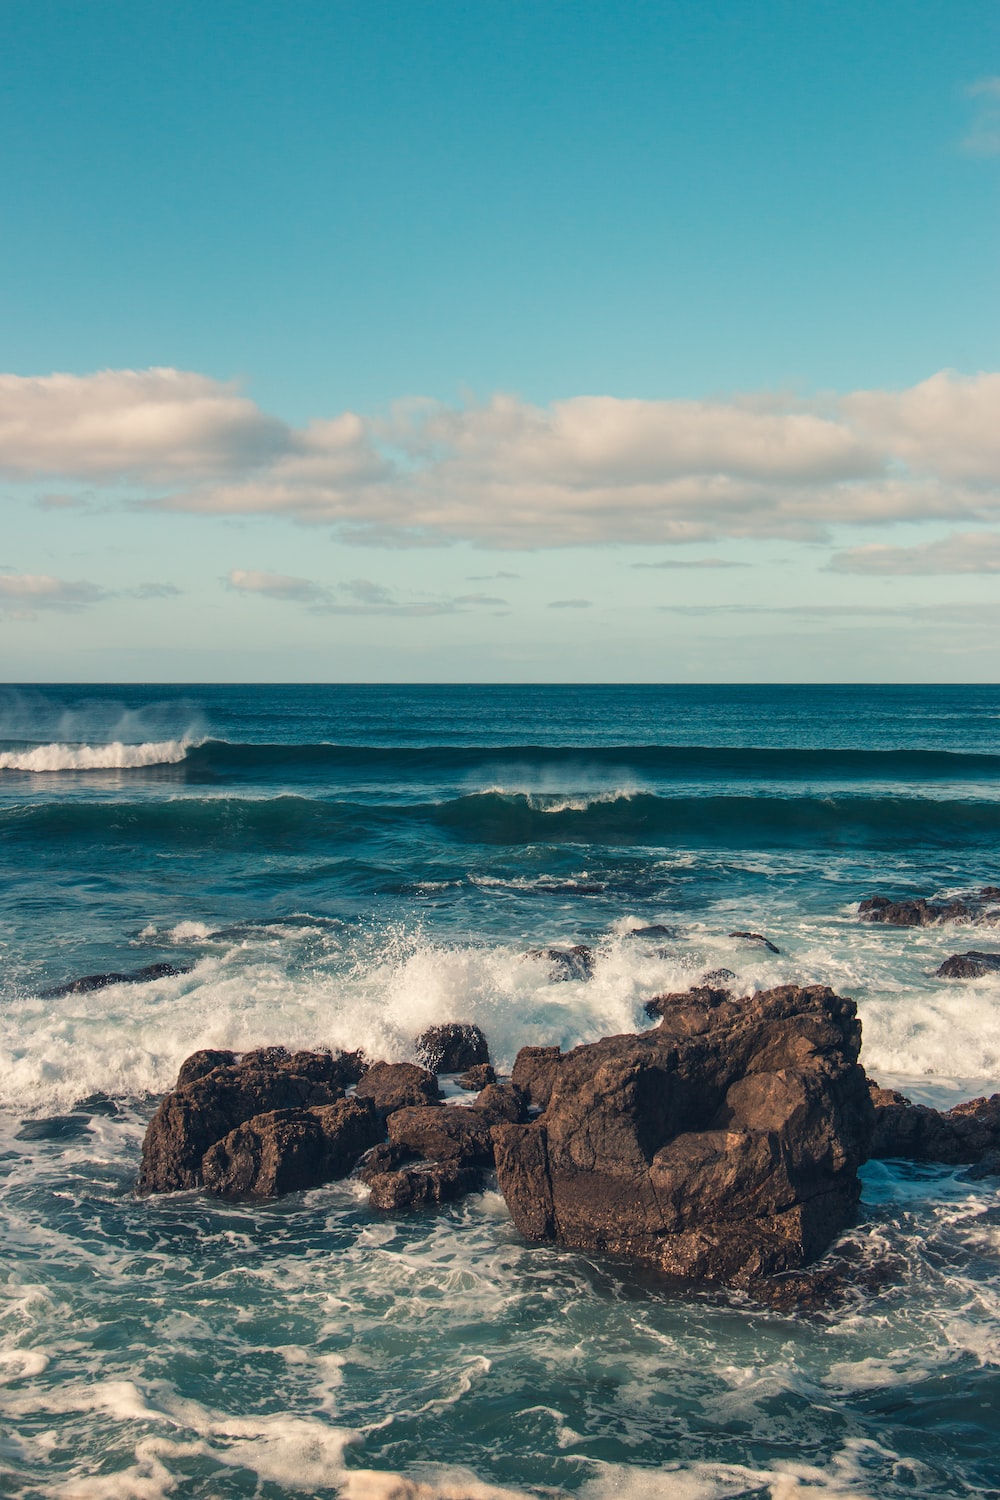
[[116, 756]]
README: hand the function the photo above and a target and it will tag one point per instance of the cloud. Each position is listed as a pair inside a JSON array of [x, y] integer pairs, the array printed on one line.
[[490, 577], [983, 138], [275, 585], [571, 604], [359, 596], [961, 552], [21, 594], [692, 562], [590, 470]]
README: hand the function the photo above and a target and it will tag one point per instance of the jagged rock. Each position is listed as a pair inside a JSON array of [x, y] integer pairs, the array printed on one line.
[[567, 963], [756, 937], [534, 1072], [971, 965], [715, 977], [918, 913], [431, 1182], [385, 1157], [201, 1063], [501, 1101], [724, 1150], [88, 982], [477, 1078], [97, 1104], [452, 1048], [838, 1279], [655, 929], [291, 1150], [691, 1008], [202, 1111], [392, 1086], [969, 1132], [443, 1133]]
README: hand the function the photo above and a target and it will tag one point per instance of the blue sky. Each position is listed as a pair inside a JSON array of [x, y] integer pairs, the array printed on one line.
[[500, 341]]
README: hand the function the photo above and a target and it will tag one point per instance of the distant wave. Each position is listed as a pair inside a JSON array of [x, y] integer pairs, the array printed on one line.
[[114, 757]]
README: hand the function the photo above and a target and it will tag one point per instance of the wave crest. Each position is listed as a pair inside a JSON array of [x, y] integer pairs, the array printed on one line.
[[116, 756]]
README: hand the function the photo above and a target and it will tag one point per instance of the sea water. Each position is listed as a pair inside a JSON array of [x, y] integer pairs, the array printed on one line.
[[342, 866]]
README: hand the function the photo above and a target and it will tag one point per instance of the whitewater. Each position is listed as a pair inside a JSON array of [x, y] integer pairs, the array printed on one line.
[[344, 866]]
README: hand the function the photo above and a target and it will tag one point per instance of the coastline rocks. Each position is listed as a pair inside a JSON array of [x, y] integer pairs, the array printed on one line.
[[288, 1151], [567, 963], [534, 1073], [423, 1184], [200, 1112], [971, 965], [756, 937], [501, 1101], [691, 1008], [969, 1132], [88, 982], [443, 1133], [392, 1086], [917, 913], [452, 1048], [722, 1146], [474, 1079]]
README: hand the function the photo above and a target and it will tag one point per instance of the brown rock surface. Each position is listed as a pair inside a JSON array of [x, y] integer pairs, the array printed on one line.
[[443, 1133], [290, 1150], [452, 1048], [392, 1086], [534, 1073], [415, 1187], [917, 913], [971, 965], [722, 1146], [968, 1133], [477, 1078]]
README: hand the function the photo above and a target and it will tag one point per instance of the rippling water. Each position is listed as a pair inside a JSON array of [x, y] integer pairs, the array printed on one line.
[[342, 866]]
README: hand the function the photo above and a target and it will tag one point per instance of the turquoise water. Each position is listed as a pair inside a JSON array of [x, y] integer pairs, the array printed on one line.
[[343, 866]]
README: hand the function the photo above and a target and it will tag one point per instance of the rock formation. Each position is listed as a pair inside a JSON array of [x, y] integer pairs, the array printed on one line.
[[971, 965]]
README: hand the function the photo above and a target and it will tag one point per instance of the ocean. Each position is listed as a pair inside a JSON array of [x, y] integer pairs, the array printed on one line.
[[342, 866]]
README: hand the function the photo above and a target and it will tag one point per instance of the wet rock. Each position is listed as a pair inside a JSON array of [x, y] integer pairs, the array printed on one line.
[[756, 937], [443, 1133], [477, 1078], [452, 1048], [88, 982], [918, 913], [853, 1273], [969, 1132], [385, 1157], [655, 929], [723, 1148], [193, 1116], [534, 1072], [567, 963], [990, 893], [501, 1101], [291, 1150], [987, 1166], [690, 1009], [54, 1128], [203, 1062], [97, 1104], [971, 965], [392, 1086], [716, 977], [420, 1186]]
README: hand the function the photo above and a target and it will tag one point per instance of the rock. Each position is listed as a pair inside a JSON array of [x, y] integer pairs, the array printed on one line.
[[432, 1182], [534, 1072], [915, 1132], [988, 1166], [838, 1279], [724, 1149], [756, 937], [918, 913], [291, 1150], [200, 1064], [715, 977], [382, 1158], [54, 1128], [392, 1086], [477, 1078], [452, 1048], [971, 965], [443, 1133], [195, 1115], [655, 929], [97, 1104], [567, 963], [501, 1101], [690, 1008], [89, 982], [990, 893]]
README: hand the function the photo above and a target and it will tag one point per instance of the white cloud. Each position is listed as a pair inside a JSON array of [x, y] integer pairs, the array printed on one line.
[[21, 594], [692, 562], [507, 474], [962, 552], [275, 585], [571, 604], [983, 138], [359, 596]]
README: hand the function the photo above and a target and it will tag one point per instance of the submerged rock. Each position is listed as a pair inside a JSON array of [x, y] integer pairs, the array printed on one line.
[[567, 963], [88, 982], [453, 1048], [969, 1132], [756, 937], [971, 965], [722, 1146], [918, 912]]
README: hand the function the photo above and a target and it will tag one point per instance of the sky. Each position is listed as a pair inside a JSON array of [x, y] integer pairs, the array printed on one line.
[[516, 340]]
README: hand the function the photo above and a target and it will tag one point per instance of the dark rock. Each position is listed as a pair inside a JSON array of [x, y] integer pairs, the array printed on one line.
[[195, 1115], [567, 963], [392, 1086], [96, 1104], [415, 1187], [534, 1073], [988, 1166], [918, 913], [756, 937], [89, 982], [915, 1132], [443, 1133], [477, 1078], [655, 929], [291, 1150], [452, 1048], [990, 893], [200, 1064], [715, 977], [501, 1101], [723, 1148], [971, 965], [385, 1157], [691, 1008], [838, 1279], [55, 1128]]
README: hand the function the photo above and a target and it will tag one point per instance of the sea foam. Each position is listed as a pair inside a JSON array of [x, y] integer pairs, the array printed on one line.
[[115, 756]]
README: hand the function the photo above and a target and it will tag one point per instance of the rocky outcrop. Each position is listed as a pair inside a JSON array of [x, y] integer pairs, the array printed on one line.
[[474, 1079], [87, 982], [567, 963], [290, 1150], [756, 937], [207, 1106], [453, 1048], [722, 1146], [921, 913], [438, 1133], [971, 965], [424, 1184], [968, 1133], [392, 1086], [534, 1073]]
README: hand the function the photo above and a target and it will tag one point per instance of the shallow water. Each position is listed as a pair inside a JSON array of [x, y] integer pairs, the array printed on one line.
[[342, 867]]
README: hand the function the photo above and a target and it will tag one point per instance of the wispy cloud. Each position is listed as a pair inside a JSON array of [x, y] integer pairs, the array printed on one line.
[[692, 562], [961, 552], [571, 604], [22, 594], [983, 137], [358, 596]]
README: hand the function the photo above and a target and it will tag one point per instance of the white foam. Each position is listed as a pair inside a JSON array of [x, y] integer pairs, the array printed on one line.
[[115, 756]]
